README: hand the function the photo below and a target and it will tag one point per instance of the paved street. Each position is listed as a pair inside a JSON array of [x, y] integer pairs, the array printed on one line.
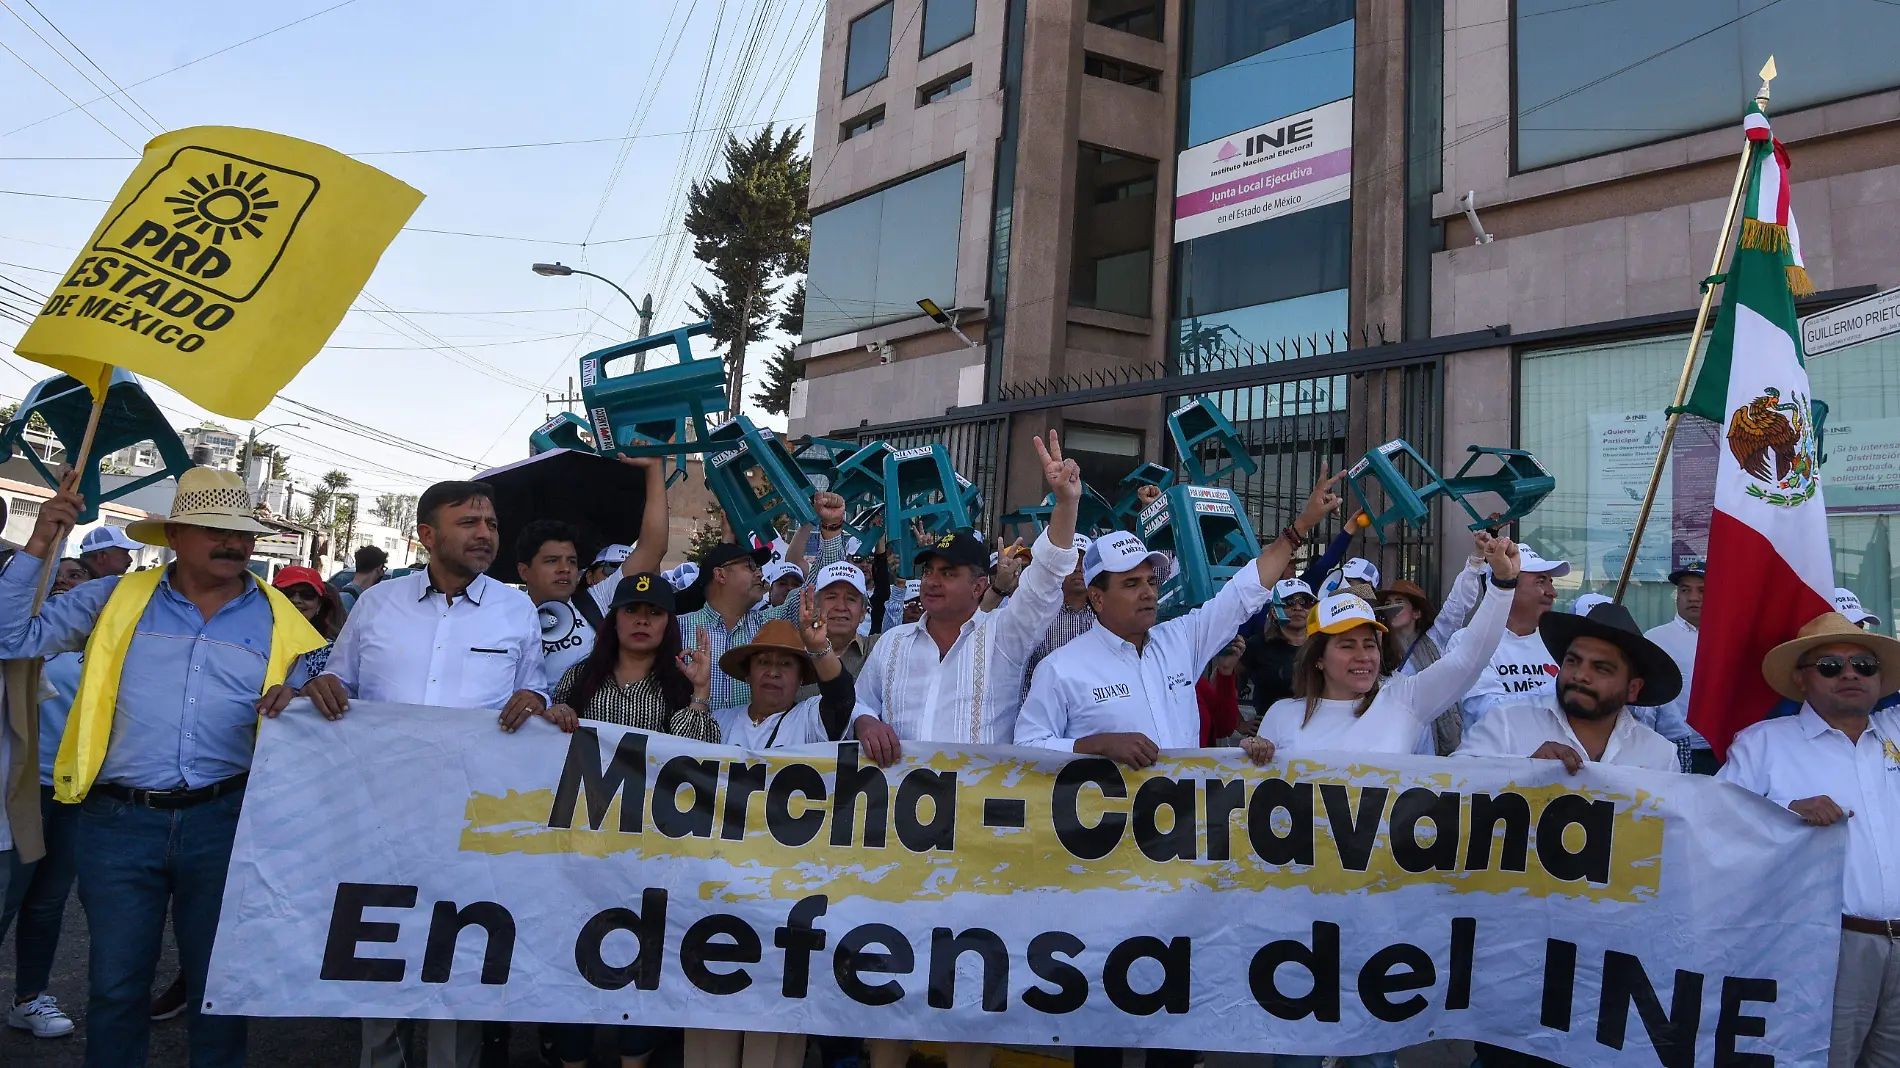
[[334, 1043]]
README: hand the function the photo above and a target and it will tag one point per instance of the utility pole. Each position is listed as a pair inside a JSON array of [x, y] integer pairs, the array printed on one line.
[[566, 400]]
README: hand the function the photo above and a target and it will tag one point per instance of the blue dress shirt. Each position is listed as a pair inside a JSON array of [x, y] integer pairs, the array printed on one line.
[[186, 713]]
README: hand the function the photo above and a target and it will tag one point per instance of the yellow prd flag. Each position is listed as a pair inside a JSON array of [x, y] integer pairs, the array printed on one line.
[[224, 264]]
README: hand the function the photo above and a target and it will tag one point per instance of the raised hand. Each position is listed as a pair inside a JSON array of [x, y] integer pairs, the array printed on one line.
[[1501, 554], [1320, 503], [830, 508], [1009, 569], [1063, 476], [645, 463], [811, 629], [696, 664], [57, 518]]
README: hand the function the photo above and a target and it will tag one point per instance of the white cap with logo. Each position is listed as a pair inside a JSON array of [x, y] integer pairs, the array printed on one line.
[[613, 554], [1847, 603], [779, 569], [1586, 602], [1118, 553], [1287, 589], [913, 589], [831, 574], [1532, 564]]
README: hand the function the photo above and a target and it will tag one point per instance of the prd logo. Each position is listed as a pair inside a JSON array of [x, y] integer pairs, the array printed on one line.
[[213, 220]]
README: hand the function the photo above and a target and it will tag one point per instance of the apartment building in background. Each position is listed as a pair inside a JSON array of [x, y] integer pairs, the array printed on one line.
[[1125, 204]]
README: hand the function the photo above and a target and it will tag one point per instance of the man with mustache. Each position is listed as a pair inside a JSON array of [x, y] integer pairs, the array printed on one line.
[[447, 635], [1604, 664], [157, 746]]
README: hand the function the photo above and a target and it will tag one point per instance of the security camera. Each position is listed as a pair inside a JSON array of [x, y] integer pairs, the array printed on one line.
[[885, 354]]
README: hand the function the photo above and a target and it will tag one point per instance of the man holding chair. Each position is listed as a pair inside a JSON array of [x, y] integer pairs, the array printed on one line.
[[158, 746]]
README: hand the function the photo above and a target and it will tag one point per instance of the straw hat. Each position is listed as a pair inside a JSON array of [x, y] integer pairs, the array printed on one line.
[[1829, 628], [206, 498], [780, 636]]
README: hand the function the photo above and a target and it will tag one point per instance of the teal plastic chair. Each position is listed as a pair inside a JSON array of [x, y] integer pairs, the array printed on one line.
[[1206, 530], [130, 418], [1520, 482], [1207, 443], [1128, 505], [734, 450], [921, 488], [860, 481], [648, 413], [819, 459], [1406, 501], [565, 431]]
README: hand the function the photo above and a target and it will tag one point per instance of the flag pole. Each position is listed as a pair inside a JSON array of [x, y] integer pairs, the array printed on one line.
[[1695, 344]]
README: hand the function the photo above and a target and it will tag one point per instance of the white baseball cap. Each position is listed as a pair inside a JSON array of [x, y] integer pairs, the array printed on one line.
[[1530, 563], [778, 569], [1847, 603], [681, 576], [1583, 604], [107, 537], [913, 589], [1286, 589], [1340, 613], [1118, 553], [613, 554], [831, 574], [1363, 570]]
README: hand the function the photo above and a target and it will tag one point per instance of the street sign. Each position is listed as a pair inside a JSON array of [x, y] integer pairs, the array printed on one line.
[[1850, 324]]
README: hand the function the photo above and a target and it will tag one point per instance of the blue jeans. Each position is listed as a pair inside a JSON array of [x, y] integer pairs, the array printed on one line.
[[133, 861], [1368, 1060], [37, 896]]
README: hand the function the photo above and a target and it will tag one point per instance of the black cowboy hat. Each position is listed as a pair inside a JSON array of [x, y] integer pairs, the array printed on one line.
[[1662, 679]]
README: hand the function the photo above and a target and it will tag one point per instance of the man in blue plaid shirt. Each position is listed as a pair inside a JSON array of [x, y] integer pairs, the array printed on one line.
[[735, 585]]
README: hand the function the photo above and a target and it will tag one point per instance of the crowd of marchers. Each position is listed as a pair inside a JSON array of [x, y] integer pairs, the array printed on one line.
[[150, 684]]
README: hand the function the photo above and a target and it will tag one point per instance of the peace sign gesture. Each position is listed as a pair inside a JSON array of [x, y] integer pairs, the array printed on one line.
[[1063, 476]]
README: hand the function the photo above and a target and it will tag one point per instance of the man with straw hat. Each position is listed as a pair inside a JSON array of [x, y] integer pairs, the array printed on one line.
[[158, 745], [1839, 759]]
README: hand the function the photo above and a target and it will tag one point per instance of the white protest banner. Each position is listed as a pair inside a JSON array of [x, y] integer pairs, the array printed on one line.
[[1301, 161], [417, 862]]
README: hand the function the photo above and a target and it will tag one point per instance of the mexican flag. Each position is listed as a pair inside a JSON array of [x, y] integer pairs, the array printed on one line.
[[1769, 566]]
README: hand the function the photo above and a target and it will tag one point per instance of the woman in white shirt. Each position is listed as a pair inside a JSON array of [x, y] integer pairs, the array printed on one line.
[[1343, 703]]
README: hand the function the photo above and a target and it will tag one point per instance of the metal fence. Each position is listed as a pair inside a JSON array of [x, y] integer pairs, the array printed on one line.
[[976, 451]]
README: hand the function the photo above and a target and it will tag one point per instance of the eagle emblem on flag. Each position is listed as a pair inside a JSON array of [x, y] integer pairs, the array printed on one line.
[[1773, 441]]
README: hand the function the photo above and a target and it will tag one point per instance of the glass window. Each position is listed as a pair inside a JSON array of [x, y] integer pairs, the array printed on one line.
[[1115, 70], [1263, 333], [946, 22], [874, 258], [864, 123], [1227, 30], [1302, 74], [954, 82], [867, 53], [1139, 17], [1593, 78], [1114, 231], [1594, 416], [1291, 256]]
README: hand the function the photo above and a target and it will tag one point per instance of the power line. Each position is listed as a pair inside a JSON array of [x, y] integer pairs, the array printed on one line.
[[152, 127], [156, 124], [76, 106]]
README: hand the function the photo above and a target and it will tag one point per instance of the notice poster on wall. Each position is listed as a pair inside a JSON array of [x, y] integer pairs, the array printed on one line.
[[1693, 459], [1277, 168], [1622, 454], [1860, 466]]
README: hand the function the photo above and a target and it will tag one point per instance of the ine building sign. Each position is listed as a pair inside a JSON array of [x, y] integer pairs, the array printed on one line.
[[1852, 323]]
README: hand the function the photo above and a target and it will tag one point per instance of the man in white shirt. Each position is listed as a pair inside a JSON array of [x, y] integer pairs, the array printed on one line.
[[547, 555], [448, 635], [1522, 666], [1678, 639], [1605, 664], [956, 675], [1125, 688], [1835, 760]]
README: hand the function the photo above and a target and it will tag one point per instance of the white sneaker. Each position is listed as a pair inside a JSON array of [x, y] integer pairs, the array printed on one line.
[[42, 1017]]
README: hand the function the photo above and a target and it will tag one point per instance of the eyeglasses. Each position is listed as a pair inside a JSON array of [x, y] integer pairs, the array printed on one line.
[[1830, 667]]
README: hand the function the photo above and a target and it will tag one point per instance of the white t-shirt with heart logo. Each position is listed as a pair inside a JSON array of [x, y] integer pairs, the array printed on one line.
[[1521, 668]]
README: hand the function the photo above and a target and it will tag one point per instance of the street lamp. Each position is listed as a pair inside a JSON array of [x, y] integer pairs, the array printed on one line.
[[562, 270], [944, 318], [244, 469]]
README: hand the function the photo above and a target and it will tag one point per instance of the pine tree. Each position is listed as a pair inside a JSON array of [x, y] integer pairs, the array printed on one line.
[[751, 229], [775, 393]]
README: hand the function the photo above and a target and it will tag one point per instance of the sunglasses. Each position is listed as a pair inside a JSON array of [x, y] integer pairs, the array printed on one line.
[[1830, 667]]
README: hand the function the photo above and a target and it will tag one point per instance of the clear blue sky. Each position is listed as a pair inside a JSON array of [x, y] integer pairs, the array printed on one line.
[[373, 76]]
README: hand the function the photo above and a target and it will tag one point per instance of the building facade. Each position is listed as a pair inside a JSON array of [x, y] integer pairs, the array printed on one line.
[[1345, 221]]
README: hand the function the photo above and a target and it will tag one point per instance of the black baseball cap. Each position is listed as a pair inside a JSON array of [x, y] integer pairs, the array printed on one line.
[[644, 588], [956, 549], [727, 552], [1698, 568]]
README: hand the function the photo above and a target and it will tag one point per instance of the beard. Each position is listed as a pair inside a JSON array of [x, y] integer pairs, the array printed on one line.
[[1604, 707]]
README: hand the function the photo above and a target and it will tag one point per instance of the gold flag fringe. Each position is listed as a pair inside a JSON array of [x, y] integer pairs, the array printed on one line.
[[1765, 236], [1798, 283]]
